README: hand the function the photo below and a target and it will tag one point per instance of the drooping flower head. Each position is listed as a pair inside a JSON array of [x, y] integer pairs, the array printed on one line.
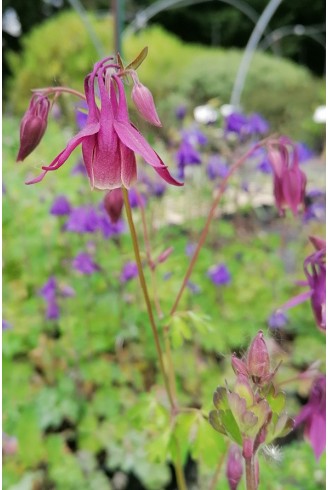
[[109, 140], [315, 271], [33, 125], [289, 181]]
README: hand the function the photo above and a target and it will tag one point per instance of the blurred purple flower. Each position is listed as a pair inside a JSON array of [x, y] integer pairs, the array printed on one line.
[[129, 271], [60, 206], [53, 312], [81, 115], [257, 124], [84, 263], [67, 291], [316, 212], [48, 293], [6, 325], [304, 152], [110, 229], [236, 123], [48, 290], [158, 189], [190, 248], [136, 199], [219, 275], [216, 167], [194, 288], [83, 219], [313, 415], [186, 155], [79, 168], [194, 136], [180, 112], [315, 206], [278, 319]]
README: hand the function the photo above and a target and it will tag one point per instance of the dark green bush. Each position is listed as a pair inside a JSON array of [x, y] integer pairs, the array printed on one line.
[[60, 52]]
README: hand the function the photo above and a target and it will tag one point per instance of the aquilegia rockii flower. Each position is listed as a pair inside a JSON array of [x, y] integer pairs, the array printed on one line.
[[315, 271], [289, 181], [109, 141]]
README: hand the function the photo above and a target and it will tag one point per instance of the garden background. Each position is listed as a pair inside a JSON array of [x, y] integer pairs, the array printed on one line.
[[83, 401]]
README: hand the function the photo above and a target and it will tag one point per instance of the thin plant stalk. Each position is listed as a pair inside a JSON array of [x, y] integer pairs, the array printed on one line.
[[59, 90], [177, 464], [168, 353], [208, 222], [250, 474], [145, 292]]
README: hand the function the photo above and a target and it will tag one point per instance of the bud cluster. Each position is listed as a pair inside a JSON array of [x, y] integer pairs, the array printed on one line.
[[252, 413]]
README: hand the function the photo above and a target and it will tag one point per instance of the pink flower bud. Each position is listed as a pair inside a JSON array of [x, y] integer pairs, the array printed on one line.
[[234, 469], [258, 361], [164, 255], [238, 365], [33, 125], [113, 203], [144, 102], [248, 448]]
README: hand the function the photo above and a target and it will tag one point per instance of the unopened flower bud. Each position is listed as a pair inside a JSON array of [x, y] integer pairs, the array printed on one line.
[[258, 360], [234, 469], [33, 125], [144, 102], [113, 203], [238, 365], [164, 255]]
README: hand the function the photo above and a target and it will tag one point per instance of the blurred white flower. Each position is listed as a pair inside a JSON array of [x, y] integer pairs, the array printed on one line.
[[319, 115], [205, 114]]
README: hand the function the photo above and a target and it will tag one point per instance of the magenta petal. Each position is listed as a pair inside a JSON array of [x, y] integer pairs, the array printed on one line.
[[129, 166], [296, 300], [165, 174], [88, 130], [317, 435], [137, 143]]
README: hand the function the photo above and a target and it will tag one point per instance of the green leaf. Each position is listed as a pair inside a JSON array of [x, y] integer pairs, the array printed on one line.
[[215, 422], [276, 401], [230, 425]]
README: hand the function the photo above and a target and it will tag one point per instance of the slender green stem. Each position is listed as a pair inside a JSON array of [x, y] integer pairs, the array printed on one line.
[[170, 365], [179, 468], [209, 219], [145, 292], [177, 464], [59, 90], [250, 473]]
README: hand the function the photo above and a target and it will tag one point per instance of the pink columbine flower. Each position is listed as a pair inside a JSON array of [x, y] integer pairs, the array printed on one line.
[[315, 271], [33, 125], [109, 141], [289, 181], [313, 414]]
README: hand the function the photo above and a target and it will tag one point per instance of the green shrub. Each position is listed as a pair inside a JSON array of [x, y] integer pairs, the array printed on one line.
[[60, 52]]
